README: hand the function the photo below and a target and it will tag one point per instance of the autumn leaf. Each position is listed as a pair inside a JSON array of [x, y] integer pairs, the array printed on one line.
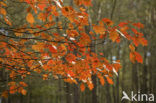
[[138, 25], [5, 94], [12, 83], [107, 21], [42, 4], [71, 73], [90, 85], [30, 18], [23, 91], [45, 76], [132, 48], [113, 35], [82, 87], [23, 84], [135, 41], [18, 34], [139, 40], [13, 89], [2, 11], [3, 4], [67, 11], [122, 24], [102, 81], [110, 81], [70, 57], [138, 57], [86, 2], [52, 49], [62, 47], [83, 2], [132, 57], [42, 17], [28, 1], [99, 29], [143, 41], [37, 47], [7, 21]]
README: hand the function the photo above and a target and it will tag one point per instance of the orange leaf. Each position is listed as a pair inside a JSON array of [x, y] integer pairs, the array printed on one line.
[[2, 3], [2, 11], [110, 81], [45, 76], [52, 49], [90, 85], [70, 57], [138, 25], [122, 24], [82, 87], [11, 83], [102, 81], [71, 73], [23, 91], [28, 1], [135, 41], [42, 4], [83, 2], [19, 34], [5, 94], [113, 36], [30, 18], [13, 89], [86, 2], [138, 57], [132, 48], [143, 41], [132, 57], [23, 84], [42, 17], [99, 29], [107, 21], [37, 47]]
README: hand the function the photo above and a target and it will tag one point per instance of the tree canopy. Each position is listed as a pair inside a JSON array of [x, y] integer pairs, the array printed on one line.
[[57, 41]]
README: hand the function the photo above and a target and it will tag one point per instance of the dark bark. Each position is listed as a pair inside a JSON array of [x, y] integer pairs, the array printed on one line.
[[76, 94], [94, 91], [67, 91]]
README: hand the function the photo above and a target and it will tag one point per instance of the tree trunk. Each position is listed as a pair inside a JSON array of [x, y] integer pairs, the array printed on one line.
[[94, 91], [76, 94], [68, 96]]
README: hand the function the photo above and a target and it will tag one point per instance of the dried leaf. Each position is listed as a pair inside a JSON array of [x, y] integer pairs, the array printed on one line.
[[2, 11], [132, 48], [23, 91], [113, 36], [30, 18], [5, 94], [132, 57], [138, 57], [82, 87], [110, 81]]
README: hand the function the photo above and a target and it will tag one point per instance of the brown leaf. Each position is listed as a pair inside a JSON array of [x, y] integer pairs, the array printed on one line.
[[30, 18]]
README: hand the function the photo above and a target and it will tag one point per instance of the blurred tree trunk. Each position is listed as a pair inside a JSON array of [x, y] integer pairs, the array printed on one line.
[[60, 91], [94, 91], [118, 77], [108, 95], [134, 77], [76, 94], [144, 75], [68, 94]]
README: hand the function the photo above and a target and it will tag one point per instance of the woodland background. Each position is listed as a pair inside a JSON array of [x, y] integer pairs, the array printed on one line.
[[132, 77]]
